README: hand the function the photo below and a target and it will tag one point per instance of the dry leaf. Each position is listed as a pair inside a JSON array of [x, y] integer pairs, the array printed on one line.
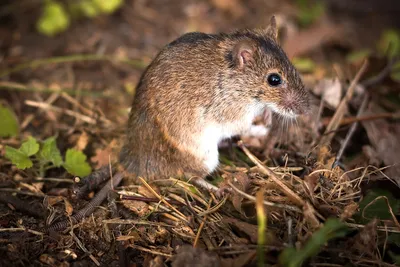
[[50, 200], [309, 215], [349, 211], [250, 230], [140, 208], [189, 256], [68, 207], [146, 193], [82, 141], [103, 156], [365, 241], [385, 138], [330, 90], [241, 181]]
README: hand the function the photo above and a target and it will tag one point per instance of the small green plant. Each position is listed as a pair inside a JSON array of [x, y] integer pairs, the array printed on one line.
[[358, 56], [389, 43], [388, 46], [333, 228], [56, 17], [304, 64], [8, 122], [309, 11], [45, 155], [374, 205]]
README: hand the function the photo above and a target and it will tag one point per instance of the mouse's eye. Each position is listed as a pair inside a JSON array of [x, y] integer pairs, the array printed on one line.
[[274, 79]]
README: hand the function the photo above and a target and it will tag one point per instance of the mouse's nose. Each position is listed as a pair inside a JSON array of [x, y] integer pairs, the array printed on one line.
[[297, 103]]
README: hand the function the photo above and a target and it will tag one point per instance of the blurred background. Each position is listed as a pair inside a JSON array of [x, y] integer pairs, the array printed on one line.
[[324, 31]]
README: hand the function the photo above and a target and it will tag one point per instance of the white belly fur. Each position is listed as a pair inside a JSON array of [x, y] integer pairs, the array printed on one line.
[[206, 146]]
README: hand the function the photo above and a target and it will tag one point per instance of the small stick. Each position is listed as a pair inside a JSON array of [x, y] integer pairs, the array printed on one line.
[[266, 203], [285, 189], [162, 199], [337, 117], [24, 206], [148, 199], [381, 75], [71, 58], [69, 112], [351, 131], [203, 222], [350, 120]]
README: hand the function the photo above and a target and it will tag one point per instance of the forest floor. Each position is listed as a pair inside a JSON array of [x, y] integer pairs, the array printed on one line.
[[321, 192]]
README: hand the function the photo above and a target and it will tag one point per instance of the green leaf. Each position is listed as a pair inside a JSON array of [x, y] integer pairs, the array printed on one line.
[[54, 19], [333, 228], [379, 208], [30, 147], [225, 160], [304, 64], [18, 158], [395, 257], [50, 152], [394, 238], [8, 122], [358, 56], [309, 11], [88, 8], [389, 44], [395, 73], [75, 163], [108, 6]]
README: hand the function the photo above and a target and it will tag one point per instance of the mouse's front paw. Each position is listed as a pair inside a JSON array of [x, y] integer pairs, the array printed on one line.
[[257, 131]]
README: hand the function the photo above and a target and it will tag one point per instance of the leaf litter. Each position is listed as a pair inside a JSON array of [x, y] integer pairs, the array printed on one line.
[[291, 203]]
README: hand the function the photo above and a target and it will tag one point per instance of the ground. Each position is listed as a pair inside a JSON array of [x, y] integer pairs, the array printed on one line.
[[320, 192]]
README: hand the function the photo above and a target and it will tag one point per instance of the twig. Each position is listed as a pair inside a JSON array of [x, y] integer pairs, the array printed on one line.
[[55, 180], [84, 249], [27, 193], [135, 222], [162, 199], [337, 117], [71, 58], [396, 222], [70, 91], [351, 131], [285, 189], [203, 222], [21, 229], [84, 109], [266, 203], [151, 251], [350, 120], [69, 112], [381, 75], [148, 199]]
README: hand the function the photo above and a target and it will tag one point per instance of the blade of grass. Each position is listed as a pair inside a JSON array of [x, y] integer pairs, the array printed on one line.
[[262, 225], [72, 58]]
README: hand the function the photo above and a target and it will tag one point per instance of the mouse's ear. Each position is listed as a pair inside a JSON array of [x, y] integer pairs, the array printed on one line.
[[272, 30], [243, 53]]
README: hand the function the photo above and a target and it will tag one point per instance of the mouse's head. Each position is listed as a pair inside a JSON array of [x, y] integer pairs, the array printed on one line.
[[270, 77]]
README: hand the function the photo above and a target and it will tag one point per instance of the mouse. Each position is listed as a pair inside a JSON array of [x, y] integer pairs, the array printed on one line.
[[201, 89]]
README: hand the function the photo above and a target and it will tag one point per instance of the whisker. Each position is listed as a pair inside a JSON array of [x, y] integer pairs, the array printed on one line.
[[300, 135]]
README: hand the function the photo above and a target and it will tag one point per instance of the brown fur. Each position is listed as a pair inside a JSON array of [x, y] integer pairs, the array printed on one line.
[[201, 78]]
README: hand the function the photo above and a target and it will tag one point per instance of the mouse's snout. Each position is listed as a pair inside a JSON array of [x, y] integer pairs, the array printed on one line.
[[295, 102]]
